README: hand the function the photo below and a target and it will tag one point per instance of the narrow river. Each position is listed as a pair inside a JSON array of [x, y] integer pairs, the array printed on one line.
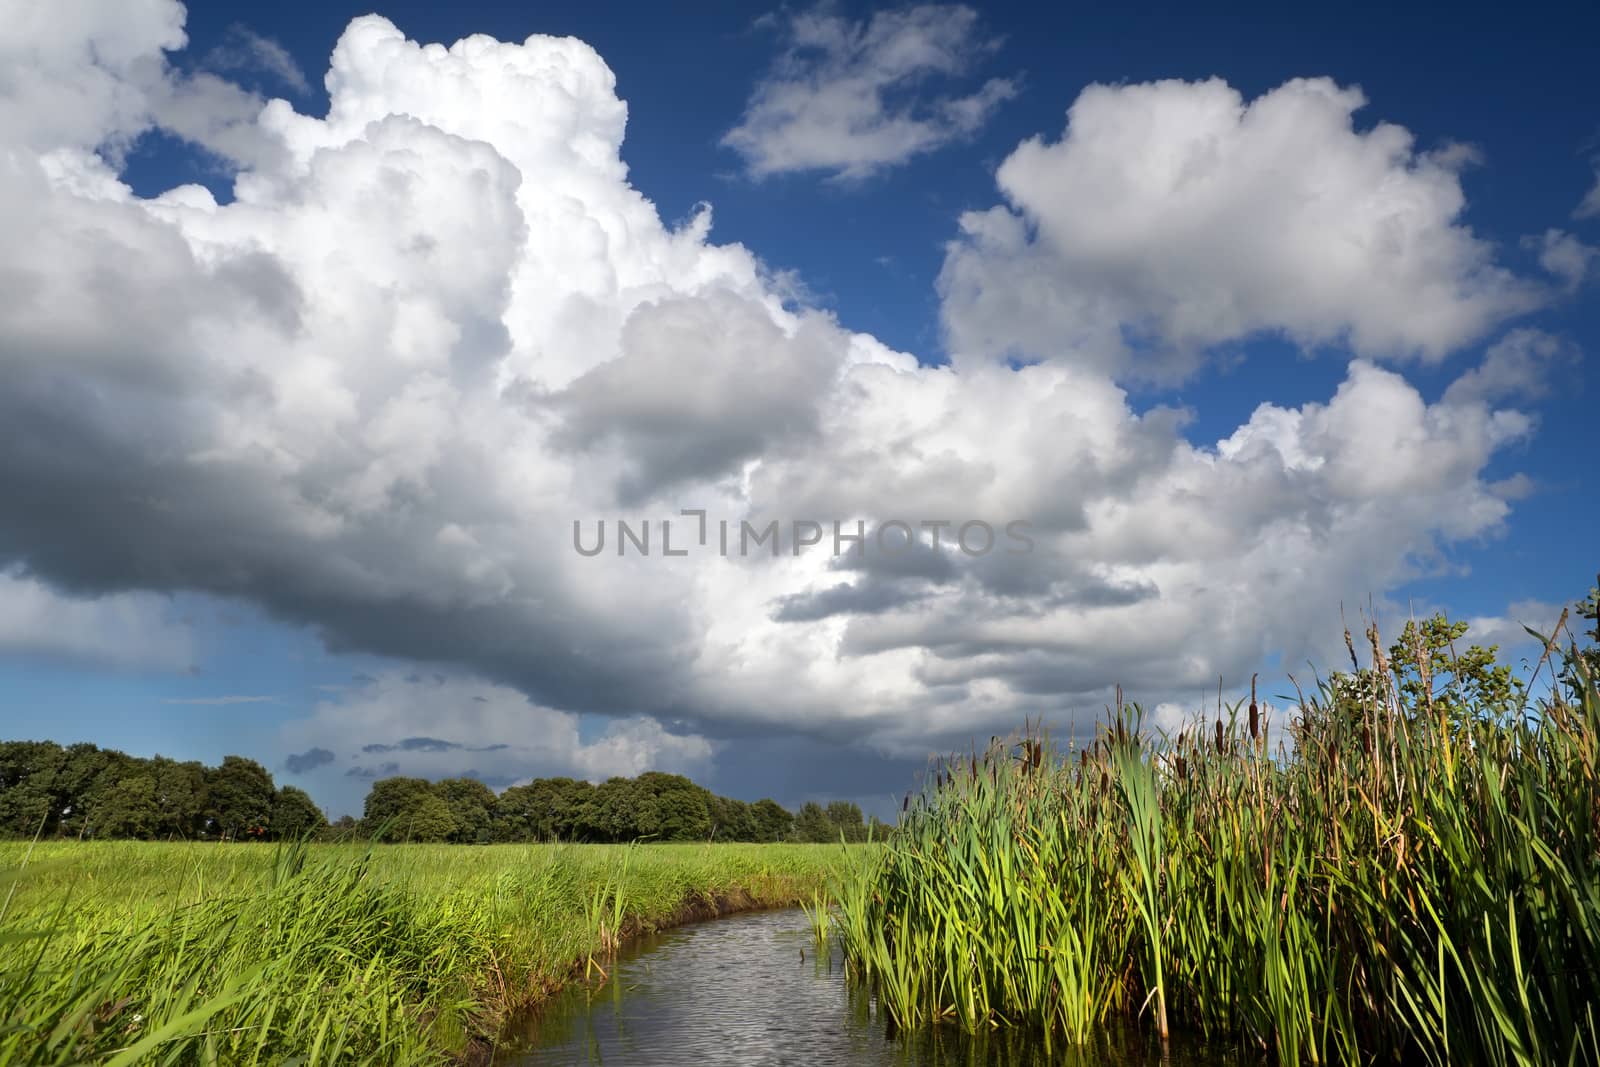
[[750, 989]]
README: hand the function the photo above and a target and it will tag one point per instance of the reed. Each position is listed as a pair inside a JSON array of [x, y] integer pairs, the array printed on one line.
[[818, 913], [1410, 875]]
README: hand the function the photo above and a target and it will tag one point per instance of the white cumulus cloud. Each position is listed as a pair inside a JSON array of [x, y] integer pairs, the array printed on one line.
[[1173, 216]]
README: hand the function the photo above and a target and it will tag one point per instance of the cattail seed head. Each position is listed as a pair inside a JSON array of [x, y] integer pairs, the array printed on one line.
[[1255, 714], [1219, 737]]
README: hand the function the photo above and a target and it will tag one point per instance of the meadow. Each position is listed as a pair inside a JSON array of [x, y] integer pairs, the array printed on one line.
[[137, 952], [1407, 870]]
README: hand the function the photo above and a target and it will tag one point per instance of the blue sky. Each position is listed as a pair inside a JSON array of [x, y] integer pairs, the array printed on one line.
[[367, 633]]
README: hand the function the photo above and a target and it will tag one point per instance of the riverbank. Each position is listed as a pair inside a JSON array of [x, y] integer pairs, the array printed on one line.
[[120, 951]]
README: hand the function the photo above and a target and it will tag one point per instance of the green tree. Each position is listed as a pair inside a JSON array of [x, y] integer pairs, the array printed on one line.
[[105, 804], [620, 810], [408, 809], [28, 787], [471, 803], [295, 814], [428, 820], [127, 807], [516, 814], [773, 822], [845, 818], [731, 819], [74, 789], [391, 800], [572, 798], [680, 806], [239, 797], [1433, 672], [812, 824], [180, 797], [545, 809]]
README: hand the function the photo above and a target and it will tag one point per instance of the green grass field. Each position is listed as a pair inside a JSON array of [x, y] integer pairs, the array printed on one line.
[[132, 952]]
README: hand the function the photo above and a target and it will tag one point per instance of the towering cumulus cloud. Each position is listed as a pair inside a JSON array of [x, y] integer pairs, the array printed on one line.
[[373, 391]]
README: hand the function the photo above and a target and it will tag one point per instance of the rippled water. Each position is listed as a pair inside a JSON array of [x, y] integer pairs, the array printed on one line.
[[750, 990]]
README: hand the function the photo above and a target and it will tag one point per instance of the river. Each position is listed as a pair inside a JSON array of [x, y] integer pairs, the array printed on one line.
[[751, 989]]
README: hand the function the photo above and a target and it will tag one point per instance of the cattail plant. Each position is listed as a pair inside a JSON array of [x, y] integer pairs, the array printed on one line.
[[1255, 713], [1410, 877]]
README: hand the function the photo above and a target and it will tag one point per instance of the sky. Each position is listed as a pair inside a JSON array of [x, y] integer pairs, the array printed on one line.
[[329, 338]]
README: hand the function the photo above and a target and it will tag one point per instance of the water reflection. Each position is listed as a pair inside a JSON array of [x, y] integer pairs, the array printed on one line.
[[751, 990]]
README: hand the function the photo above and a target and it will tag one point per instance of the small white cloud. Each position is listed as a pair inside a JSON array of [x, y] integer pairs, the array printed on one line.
[[1590, 206], [846, 96], [1518, 365], [242, 49], [1564, 256], [1509, 632], [1170, 717]]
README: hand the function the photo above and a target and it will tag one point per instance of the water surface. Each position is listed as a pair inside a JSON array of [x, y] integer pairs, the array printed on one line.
[[751, 989]]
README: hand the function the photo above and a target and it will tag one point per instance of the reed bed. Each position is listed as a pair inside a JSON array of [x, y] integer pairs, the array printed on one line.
[[1405, 877], [132, 952]]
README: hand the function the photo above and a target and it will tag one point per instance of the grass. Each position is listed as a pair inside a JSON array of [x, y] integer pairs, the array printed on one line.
[[1410, 879], [130, 952]]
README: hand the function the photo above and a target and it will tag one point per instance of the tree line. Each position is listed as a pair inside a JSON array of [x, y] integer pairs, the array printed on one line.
[[654, 806], [85, 791]]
